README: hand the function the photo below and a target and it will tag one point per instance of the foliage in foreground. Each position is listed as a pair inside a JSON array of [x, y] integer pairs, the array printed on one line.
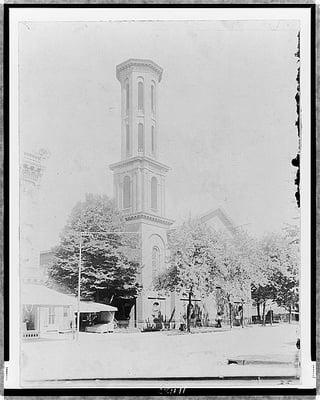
[[109, 261], [279, 263], [203, 260]]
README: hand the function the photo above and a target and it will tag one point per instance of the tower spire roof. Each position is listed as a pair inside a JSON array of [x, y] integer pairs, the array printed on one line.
[[138, 63]]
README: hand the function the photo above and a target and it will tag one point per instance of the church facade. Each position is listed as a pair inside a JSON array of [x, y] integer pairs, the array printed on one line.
[[139, 192]]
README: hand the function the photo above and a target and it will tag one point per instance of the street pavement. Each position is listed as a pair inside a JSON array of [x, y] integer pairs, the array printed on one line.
[[267, 351]]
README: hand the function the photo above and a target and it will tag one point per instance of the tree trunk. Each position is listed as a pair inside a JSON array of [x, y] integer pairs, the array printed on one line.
[[189, 312], [230, 315], [258, 311], [289, 314], [264, 313]]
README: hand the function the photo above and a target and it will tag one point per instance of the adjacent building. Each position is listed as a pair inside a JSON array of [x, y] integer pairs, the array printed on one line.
[[43, 310]]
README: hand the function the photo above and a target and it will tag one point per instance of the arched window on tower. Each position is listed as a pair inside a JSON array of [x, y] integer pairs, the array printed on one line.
[[127, 97], [127, 139], [126, 192], [140, 137], [153, 140], [154, 193], [152, 98], [140, 96], [156, 259]]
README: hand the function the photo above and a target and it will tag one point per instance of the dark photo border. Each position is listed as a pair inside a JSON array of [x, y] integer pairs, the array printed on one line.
[[219, 391]]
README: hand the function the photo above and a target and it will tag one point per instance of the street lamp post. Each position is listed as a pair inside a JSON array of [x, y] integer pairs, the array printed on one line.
[[189, 310], [79, 285], [230, 311], [242, 313]]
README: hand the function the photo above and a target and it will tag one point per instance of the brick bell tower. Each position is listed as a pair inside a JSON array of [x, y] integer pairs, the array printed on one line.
[[139, 178]]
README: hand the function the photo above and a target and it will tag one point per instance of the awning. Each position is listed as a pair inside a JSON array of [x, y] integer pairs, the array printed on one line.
[[92, 307], [278, 310]]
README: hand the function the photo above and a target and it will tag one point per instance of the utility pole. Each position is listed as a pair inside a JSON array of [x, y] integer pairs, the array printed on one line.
[[189, 311], [230, 311], [242, 313], [79, 285]]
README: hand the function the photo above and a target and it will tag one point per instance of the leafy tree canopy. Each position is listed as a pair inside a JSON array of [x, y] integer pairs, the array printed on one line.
[[110, 258], [203, 260], [279, 263]]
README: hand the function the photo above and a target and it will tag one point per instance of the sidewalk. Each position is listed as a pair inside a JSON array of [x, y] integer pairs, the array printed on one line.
[[158, 354], [199, 330]]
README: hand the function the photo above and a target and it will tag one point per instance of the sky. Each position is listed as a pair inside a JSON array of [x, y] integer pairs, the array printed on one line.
[[226, 114]]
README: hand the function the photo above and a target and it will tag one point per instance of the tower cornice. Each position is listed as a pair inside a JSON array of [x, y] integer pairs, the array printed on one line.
[[138, 216], [141, 161], [138, 63]]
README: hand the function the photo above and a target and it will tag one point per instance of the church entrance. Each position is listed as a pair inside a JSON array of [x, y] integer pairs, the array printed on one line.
[[126, 315], [156, 314]]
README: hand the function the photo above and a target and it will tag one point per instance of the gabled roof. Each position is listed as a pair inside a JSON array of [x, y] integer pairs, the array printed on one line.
[[43, 296], [216, 212], [222, 215]]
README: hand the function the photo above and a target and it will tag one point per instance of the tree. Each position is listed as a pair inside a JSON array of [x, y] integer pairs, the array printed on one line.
[[194, 266], [287, 275], [279, 263], [263, 290], [203, 260], [239, 267], [109, 261]]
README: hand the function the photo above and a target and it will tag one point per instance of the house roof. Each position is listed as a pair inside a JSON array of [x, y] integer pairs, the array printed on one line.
[[41, 295]]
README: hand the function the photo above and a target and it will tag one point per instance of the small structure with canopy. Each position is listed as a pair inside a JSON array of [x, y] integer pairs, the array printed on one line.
[[96, 317], [46, 312]]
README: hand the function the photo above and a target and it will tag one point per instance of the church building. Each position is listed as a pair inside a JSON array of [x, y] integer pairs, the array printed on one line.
[[139, 191]]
